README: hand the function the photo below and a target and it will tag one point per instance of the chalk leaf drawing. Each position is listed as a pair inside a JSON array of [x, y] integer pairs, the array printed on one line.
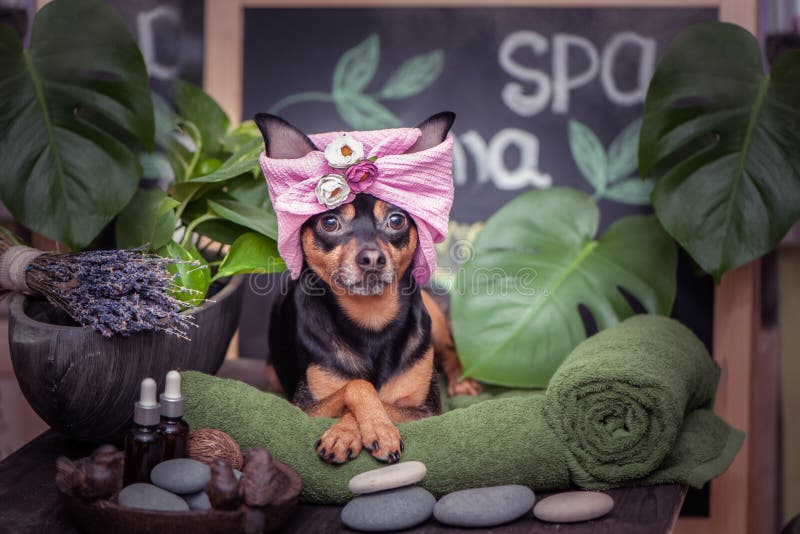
[[357, 67], [611, 173], [352, 74], [414, 76]]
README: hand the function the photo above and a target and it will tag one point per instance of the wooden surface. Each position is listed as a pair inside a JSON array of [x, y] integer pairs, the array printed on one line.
[[29, 502]]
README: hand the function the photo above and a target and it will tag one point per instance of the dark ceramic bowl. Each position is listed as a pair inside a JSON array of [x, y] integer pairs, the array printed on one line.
[[106, 516], [85, 385]]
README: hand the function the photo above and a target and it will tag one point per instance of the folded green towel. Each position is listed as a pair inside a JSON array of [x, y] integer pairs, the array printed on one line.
[[619, 399], [645, 420]]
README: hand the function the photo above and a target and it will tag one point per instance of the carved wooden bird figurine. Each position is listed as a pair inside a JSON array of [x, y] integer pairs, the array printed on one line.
[[70, 475], [223, 488], [96, 477], [261, 479]]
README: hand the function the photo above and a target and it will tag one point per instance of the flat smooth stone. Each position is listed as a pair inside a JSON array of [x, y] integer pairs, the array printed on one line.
[[150, 497], [389, 510], [484, 507], [573, 506], [384, 478], [181, 475], [197, 501]]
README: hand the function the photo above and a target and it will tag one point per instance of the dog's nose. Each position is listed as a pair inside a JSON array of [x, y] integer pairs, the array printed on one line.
[[369, 258]]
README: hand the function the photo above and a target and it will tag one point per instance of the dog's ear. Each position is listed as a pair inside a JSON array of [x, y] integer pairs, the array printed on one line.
[[281, 139], [434, 131]]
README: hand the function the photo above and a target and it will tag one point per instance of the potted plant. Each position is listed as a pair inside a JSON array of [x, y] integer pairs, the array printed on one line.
[[79, 126], [719, 146]]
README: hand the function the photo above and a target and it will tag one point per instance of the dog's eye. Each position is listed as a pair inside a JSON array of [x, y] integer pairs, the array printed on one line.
[[329, 223], [397, 221]]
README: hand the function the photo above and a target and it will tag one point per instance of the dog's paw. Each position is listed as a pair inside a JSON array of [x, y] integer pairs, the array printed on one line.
[[468, 386], [381, 438], [340, 443]]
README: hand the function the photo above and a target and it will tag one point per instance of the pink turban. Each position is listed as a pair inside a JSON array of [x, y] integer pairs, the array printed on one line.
[[421, 183]]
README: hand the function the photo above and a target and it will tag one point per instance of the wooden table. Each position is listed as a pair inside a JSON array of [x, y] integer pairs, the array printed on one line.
[[29, 501]]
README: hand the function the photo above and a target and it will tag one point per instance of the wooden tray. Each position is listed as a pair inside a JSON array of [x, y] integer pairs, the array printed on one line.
[[104, 516]]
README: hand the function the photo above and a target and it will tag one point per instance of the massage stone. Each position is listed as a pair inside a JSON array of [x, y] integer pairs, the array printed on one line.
[[181, 475], [573, 506], [390, 477], [389, 510], [484, 507], [150, 497], [197, 501]]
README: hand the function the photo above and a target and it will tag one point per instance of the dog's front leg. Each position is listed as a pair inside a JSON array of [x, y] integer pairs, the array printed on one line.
[[378, 433], [364, 420], [364, 423]]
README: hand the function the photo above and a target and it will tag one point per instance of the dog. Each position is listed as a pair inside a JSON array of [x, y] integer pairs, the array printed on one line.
[[355, 337]]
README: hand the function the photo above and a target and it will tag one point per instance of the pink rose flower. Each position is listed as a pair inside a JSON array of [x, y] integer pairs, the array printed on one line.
[[361, 175]]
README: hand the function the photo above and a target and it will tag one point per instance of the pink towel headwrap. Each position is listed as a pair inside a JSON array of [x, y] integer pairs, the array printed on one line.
[[421, 183]]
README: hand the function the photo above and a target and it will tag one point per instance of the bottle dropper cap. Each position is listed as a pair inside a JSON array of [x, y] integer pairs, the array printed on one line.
[[146, 411], [172, 399]]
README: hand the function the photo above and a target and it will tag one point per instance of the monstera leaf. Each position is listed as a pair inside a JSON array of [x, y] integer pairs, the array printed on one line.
[[516, 304], [723, 141], [65, 104]]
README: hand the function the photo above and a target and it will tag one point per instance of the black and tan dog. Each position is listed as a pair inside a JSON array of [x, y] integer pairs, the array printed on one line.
[[354, 337]]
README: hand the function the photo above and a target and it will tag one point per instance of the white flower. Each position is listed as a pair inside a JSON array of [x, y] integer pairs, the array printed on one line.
[[343, 152], [332, 190]]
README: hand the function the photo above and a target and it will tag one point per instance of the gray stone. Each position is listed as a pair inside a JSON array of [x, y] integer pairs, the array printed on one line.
[[389, 510], [150, 497], [484, 507], [572, 506], [384, 478], [197, 501], [181, 475]]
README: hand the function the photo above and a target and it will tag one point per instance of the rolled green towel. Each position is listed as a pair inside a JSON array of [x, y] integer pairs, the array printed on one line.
[[619, 399], [518, 440]]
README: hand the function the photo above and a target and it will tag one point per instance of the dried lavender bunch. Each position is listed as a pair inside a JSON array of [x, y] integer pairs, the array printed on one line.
[[112, 291]]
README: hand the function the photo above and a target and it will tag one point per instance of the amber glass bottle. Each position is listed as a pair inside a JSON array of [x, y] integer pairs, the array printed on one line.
[[143, 442], [173, 429]]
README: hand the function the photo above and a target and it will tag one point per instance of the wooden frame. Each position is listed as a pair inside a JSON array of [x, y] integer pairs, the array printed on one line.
[[737, 497]]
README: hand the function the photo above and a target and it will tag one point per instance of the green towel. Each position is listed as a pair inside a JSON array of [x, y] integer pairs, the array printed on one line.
[[619, 399], [646, 419]]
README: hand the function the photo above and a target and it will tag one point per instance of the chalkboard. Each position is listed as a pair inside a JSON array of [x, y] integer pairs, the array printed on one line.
[[170, 36], [544, 96], [516, 78]]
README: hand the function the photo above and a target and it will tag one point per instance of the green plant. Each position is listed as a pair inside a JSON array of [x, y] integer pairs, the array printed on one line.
[[719, 145], [516, 303], [722, 140], [355, 70], [79, 126], [217, 196], [74, 105]]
